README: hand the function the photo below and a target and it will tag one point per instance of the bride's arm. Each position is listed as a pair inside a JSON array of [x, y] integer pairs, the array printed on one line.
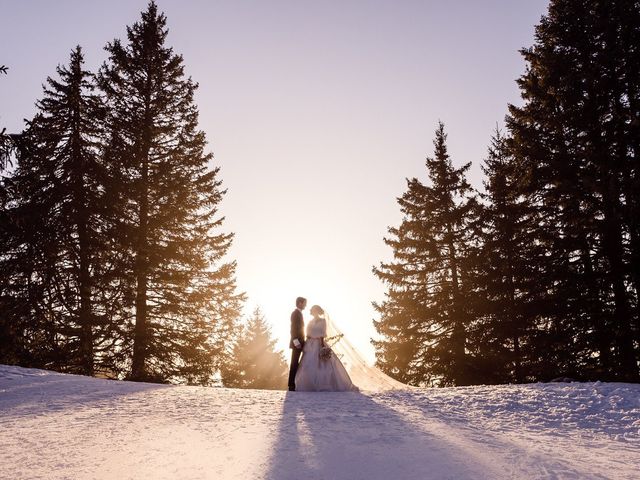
[[324, 332]]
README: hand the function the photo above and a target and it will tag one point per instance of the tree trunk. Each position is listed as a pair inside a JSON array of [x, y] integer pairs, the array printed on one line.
[[632, 201], [459, 334], [635, 275], [86, 314], [632, 184], [141, 333], [84, 278], [140, 340], [515, 323], [595, 312], [612, 241]]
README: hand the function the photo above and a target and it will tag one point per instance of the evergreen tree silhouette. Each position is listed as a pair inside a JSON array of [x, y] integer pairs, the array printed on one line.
[[577, 142], [424, 318], [505, 299], [52, 235], [185, 304]]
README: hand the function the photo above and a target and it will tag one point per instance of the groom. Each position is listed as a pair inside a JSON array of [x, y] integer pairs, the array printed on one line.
[[297, 340]]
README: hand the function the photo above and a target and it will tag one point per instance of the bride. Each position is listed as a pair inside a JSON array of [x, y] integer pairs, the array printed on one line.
[[320, 369]]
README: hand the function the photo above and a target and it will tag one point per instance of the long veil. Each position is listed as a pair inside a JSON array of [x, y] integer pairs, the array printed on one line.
[[363, 375]]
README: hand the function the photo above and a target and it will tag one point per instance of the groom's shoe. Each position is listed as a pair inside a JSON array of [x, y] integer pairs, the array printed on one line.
[[292, 389]]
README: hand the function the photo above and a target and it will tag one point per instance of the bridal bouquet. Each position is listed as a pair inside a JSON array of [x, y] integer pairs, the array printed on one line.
[[325, 353]]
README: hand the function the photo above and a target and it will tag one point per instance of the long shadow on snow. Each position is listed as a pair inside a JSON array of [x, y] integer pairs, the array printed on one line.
[[348, 435]]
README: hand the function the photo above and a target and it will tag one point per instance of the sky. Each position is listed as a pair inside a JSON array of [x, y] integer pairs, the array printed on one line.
[[316, 113]]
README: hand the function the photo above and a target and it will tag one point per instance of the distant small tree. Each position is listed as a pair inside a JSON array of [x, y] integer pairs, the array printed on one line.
[[255, 363]]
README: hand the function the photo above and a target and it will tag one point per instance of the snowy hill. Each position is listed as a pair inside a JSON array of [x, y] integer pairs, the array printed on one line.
[[55, 426]]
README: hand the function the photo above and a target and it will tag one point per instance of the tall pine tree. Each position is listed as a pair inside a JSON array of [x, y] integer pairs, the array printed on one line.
[[505, 298], [424, 318], [52, 236], [576, 138], [184, 300]]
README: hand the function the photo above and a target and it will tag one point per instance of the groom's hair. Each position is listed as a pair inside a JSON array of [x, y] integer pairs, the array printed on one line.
[[300, 301]]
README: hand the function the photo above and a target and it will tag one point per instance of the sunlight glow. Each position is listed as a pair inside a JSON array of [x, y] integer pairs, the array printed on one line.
[[321, 284]]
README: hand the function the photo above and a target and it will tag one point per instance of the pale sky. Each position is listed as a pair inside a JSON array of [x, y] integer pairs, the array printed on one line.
[[316, 113]]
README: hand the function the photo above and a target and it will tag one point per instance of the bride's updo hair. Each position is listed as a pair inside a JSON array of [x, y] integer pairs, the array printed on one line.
[[317, 309]]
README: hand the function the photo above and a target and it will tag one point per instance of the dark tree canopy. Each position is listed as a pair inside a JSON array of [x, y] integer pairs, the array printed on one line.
[[113, 256], [576, 139], [549, 268], [53, 229], [424, 318]]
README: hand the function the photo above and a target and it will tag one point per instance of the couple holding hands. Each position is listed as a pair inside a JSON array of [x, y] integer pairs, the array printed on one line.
[[319, 369]]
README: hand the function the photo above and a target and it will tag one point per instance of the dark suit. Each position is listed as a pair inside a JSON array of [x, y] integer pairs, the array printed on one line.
[[297, 331]]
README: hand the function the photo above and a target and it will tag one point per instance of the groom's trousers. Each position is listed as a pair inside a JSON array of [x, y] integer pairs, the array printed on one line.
[[295, 361]]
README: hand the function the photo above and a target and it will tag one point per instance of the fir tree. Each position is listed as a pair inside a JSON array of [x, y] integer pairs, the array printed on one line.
[[185, 303], [52, 234], [254, 362], [574, 138], [424, 318], [505, 300]]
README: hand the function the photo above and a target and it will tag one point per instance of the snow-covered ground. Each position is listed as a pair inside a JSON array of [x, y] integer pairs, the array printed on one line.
[[55, 426]]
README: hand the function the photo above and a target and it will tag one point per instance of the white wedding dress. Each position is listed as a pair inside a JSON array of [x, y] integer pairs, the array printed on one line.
[[321, 375]]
